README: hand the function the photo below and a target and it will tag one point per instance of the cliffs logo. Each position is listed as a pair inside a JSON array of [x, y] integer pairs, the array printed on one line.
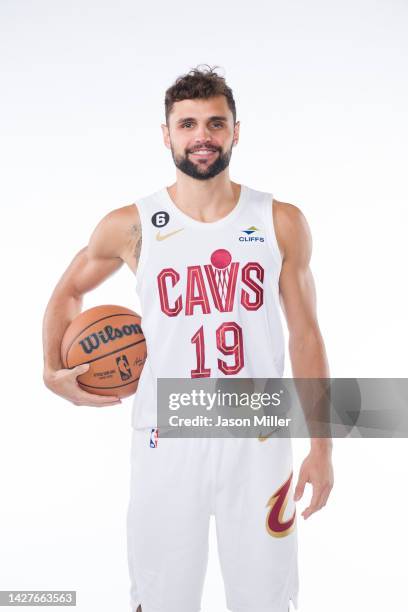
[[108, 334], [249, 237]]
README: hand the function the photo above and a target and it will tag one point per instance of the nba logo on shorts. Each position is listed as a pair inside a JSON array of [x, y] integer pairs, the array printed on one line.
[[154, 437]]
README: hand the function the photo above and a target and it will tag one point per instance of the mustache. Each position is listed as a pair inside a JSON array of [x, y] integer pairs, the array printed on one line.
[[209, 147]]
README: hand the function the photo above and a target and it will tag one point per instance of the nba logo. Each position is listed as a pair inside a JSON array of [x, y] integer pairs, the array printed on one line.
[[154, 438], [123, 367]]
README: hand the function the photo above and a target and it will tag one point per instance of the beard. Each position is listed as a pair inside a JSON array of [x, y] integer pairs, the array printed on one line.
[[199, 170]]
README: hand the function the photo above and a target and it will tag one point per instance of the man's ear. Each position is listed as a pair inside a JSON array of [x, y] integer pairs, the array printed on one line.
[[166, 135], [236, 133]]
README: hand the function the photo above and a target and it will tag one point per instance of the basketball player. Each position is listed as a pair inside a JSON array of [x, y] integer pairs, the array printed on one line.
[[179, 242]]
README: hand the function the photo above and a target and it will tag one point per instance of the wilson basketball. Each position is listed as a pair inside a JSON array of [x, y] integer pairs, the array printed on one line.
[[111, 340]]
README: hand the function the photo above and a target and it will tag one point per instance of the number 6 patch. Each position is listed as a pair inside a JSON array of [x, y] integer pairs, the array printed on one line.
[[161, 218]]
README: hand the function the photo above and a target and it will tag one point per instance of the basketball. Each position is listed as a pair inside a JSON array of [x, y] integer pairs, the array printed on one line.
[[111, 340], [221, 258]]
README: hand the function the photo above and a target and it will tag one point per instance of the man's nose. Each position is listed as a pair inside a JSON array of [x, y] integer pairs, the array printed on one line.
[[202, 134]]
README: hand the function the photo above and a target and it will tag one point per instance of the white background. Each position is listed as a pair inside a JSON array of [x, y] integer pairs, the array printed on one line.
[[321, 93]]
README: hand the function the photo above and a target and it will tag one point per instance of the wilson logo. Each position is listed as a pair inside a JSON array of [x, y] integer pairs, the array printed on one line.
[[108, 334]]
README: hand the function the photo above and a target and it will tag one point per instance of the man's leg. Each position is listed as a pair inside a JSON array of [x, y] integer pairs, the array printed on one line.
[[168, 523], [256, 523]]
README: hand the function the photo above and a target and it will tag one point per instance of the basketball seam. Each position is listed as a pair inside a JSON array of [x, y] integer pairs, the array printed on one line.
[[122, 348], [114, 386]]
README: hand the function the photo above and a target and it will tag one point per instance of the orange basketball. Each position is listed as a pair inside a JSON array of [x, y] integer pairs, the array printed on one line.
[[111, 340]]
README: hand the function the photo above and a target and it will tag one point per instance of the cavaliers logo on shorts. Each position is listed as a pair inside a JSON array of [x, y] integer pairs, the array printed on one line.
[[275, 524]]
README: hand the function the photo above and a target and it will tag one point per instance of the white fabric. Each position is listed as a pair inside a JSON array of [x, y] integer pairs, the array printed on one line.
[[176, 487], [177, 484], [171, 352]]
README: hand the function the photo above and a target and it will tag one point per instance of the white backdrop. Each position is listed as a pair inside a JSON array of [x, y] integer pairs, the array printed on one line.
[[322, 97]]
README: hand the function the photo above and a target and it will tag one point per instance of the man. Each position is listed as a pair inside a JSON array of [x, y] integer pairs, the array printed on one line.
[[212, 260]]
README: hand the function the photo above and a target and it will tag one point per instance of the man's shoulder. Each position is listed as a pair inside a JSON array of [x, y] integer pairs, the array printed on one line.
[[123, 211], [122, 216], [291, 227], [287, 210], [130, 213], [114, 231], [288, 215]]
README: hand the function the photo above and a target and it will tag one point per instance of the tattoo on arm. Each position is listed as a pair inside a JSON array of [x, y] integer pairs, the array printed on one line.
[[136, 232]]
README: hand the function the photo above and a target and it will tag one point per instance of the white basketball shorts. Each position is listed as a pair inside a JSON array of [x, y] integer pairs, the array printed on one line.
[[176, 484]]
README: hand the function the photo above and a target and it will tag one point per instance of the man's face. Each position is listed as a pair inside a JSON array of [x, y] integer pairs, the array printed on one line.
[[201, 134]]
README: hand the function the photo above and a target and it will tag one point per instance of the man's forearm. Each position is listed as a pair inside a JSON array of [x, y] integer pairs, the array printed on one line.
[[309, 360], [61, 310]]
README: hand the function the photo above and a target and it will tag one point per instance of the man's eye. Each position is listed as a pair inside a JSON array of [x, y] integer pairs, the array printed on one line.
[[215, 123]]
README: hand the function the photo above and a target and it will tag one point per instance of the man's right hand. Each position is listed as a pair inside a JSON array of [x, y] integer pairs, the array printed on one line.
[[64, 383]]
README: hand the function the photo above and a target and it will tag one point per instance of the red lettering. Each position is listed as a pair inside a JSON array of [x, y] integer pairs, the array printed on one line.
[[174, 277]]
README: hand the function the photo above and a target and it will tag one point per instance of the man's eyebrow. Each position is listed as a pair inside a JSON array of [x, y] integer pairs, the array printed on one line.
[[212, 118]]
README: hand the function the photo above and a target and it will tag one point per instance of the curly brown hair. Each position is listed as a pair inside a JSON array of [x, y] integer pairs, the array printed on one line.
[[198, 83]]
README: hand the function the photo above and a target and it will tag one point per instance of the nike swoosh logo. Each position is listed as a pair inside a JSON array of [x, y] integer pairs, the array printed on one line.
[[262, 438], [160, 236]]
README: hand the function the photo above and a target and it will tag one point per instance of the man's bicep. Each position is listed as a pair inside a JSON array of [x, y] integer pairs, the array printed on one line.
[[86, 272], [104, 253], [298, 299], [118, 236], [296, 284]]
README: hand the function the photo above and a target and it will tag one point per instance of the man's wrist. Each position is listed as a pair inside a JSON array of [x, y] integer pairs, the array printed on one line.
[[321, 445]]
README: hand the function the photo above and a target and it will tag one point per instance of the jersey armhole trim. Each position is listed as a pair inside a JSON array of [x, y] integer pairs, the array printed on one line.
[[144, 248], [270, 229]]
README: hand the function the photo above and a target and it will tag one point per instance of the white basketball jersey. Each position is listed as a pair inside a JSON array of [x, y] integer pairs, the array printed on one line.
[[209, 295]]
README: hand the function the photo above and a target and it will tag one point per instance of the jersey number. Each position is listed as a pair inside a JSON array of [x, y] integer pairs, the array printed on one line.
[[235, 348]]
